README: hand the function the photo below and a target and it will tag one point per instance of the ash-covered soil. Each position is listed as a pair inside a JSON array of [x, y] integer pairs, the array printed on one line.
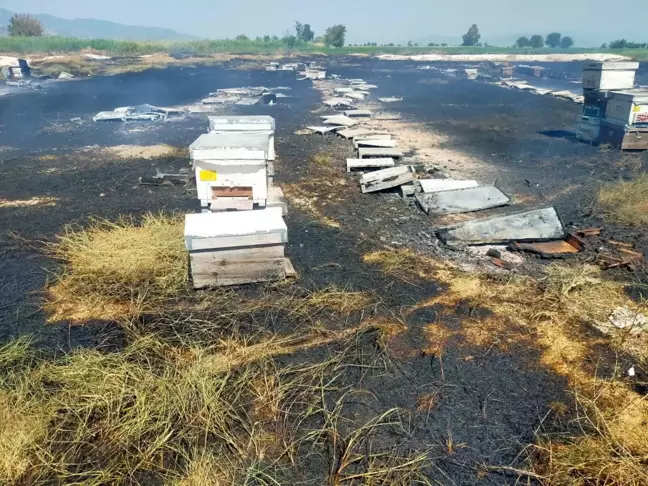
[[490, 402]]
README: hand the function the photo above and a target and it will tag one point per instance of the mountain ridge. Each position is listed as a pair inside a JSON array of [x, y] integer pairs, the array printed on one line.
[[100, 29]]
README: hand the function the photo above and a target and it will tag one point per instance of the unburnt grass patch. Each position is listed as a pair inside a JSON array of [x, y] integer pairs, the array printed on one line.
[[625, 202], [116, 270], [226, 413], [198, 391]]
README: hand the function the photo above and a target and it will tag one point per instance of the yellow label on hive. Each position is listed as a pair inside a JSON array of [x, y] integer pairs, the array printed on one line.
[[208, 175], [637, 109]]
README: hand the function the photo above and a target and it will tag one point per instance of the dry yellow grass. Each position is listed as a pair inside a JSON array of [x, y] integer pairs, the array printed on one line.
[[147, 151], [330, 299], [625, 202], [549, 315], [117, 268], [322, 159], [34, 201], [80, 65], [155, 410], [22, 425]]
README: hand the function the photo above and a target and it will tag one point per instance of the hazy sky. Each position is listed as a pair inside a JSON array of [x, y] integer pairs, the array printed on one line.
[[591, 21]]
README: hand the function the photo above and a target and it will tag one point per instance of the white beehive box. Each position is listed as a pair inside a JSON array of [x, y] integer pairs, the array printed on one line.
[[216, 231], [236, 248], [628, 108], [605, 76], [246, 124], [231, 169]]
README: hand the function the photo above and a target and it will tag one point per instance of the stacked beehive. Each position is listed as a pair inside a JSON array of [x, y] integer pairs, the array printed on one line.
[[239, 237], [615, 112]]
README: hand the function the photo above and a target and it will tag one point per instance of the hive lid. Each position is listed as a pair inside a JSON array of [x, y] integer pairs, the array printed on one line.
[[241, 123], [230, 146], [233, 224], [611, 66]]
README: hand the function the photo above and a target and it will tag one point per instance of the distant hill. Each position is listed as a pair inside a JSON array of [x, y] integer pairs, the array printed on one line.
[[97, 29]]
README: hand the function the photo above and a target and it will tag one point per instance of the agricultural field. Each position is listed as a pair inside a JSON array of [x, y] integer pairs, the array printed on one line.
[[391, 359], [62, 45]]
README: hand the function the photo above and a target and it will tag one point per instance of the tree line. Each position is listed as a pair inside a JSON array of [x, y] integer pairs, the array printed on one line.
[[553, 40], [624, 44], [24, 25], [334, 36]]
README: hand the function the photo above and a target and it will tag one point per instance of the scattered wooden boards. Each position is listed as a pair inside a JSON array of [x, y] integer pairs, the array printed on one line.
[[386, 178], [358, 113], [358, 132], [375, 143], [369, 163], [365, 153]]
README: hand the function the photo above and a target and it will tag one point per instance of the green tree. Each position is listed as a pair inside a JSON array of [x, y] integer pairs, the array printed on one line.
[[242, 38], [536, 41], [523, 42], [290, 41], [410, 44], [23, 25], [471, 38], [553, 39], [619, 44], [299, 29], [566, 42], [604, 46], [307, 34], [335, 36]]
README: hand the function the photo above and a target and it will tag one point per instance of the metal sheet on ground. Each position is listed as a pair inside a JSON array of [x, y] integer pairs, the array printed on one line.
[[323, 130], [437, 185], [339, 120], [462, 200], [537, 225]]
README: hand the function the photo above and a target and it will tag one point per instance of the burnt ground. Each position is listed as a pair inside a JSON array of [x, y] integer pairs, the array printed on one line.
[[525, 142], [490, 401]]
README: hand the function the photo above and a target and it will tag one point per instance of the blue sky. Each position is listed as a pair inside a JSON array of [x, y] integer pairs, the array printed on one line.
[[588, 21]]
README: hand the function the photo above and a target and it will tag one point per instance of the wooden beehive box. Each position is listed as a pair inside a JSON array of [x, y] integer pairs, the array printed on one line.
[[234, 248]]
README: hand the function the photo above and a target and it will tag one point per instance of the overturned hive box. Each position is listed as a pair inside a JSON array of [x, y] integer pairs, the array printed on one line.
[[231, 170], [235, 248], [246, 124]]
